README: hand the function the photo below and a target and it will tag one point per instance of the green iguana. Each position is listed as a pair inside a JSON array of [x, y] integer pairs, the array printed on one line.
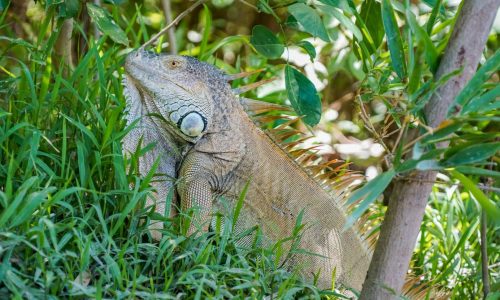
[[206, 139]]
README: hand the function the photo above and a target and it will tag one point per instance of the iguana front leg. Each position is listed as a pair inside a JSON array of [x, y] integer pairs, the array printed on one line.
[[195, 189]]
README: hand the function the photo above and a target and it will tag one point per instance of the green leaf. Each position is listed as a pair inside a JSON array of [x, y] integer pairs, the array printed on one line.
[[303, 96], [432, 18], [106, 24], [265, 42], [207, 28], [309, 48], [472, 154], [345, 21], [310, 20], [491, 209], [478, 104], [442, 132], [370, 193], [428, 164], [371, 15], [430, 53], [477, 171], [342, 4], [4, 4], [69, 8], [239, 204], [264, 7], [394, 41], [475, 84], [222, 3]]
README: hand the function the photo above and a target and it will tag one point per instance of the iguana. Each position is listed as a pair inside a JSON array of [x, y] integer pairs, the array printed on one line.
[[206, 139]]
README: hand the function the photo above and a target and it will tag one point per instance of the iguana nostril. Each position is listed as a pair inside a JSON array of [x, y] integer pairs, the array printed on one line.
[[192, 124]]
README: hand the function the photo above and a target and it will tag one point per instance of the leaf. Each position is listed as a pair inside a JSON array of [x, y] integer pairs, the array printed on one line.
[[310, 20], [4, 4], [207, 28], [106, 24], [371, 15], [303, 96], [239, 204], [472, 154], [69, 8], [342, 4], [265, 42], [394, 40], [474, 85], [432, 18], [479, 104], [477, 171], [445, 129], [309, 48], [345, 21], [428, 164], [491, 209], [370, 193], [264, 7], [430, 53]]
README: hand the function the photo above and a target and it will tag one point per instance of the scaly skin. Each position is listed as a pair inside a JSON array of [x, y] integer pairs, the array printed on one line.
[[221, 150]]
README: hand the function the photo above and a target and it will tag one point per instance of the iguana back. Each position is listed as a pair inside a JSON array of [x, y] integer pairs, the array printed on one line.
[[223, 150]]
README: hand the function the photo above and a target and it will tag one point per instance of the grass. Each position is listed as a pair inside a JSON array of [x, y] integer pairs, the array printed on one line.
[[71, 226]]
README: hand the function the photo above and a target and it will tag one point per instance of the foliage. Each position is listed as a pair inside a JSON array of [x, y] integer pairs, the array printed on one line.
[[66, 207]]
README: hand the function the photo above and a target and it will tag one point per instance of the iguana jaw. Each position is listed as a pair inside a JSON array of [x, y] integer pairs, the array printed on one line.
[[183, 106]]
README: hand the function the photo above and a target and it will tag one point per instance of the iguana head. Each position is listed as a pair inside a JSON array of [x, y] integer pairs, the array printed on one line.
[[174, 88]]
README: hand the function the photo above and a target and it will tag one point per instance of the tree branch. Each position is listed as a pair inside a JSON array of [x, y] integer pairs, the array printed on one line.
[[404, 215]]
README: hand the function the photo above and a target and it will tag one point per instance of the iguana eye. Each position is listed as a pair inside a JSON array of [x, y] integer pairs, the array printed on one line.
[[173, 64], [192, 124]]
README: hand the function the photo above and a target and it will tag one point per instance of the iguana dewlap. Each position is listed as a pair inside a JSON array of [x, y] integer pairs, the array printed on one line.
[[207, 140]]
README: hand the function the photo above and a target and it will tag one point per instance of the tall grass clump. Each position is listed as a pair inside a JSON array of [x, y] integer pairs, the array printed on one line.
[[72, 219]]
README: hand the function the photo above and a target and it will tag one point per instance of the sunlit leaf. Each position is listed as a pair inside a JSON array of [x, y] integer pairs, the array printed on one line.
[[265, 42], [106, 24], [303, 96], [309, 19]]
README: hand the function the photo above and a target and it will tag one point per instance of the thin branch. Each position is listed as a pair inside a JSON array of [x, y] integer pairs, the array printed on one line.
[[167, 10], [174, 22]]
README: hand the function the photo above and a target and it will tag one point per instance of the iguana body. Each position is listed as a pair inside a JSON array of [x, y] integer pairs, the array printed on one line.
[[218, 150]]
